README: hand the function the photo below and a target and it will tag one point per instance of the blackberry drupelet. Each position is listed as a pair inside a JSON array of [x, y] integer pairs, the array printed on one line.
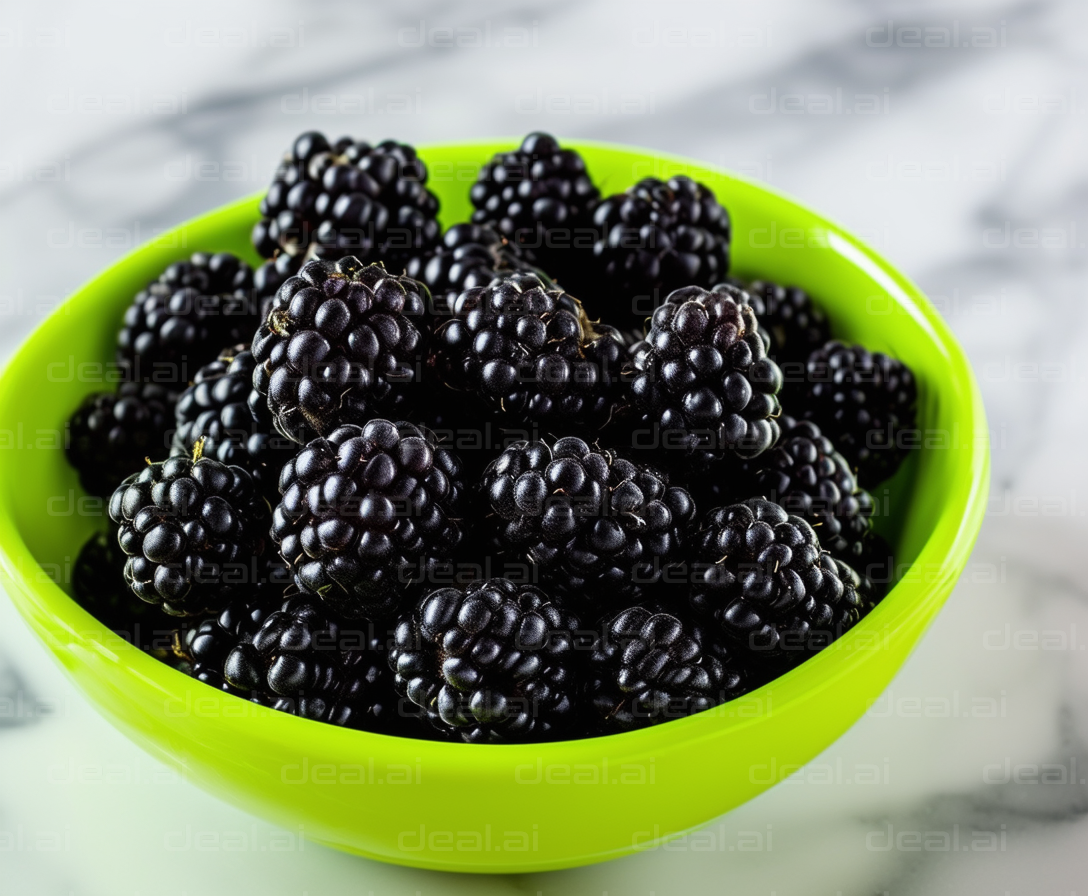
[[702, 381], [529, 353], [340, 345], [863, 401], [657, 237], [786, 313], [306, 661], [98, 585], [184, 317], [492, 663], [540, 197], [111, 433], [468, 256], [348, 199], [806, 476], [650, 667], [761, 581], [194, 531], [222, 408], [599, 528], [367, 513]]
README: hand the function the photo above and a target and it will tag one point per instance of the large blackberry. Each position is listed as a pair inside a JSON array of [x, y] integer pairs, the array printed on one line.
[[657, 237], [111, 433], [648, 667], [305, 661], [806, 476], [468, 256], [787, 315], [761, 580], [222, 408], [98, 585], [184, 317], [529, 353], [366, 513], [540, 198], [194, 532], [598, 527], [348, 199], [339, 345], [493, 662], [865, 403], [702, 382]]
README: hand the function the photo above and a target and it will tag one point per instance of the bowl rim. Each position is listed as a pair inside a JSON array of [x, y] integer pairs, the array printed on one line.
[[957, 526]]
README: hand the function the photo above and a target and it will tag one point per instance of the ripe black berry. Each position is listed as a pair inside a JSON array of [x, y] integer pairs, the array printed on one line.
[[366, 513], [491, 663], [339, 345], [111, 433]]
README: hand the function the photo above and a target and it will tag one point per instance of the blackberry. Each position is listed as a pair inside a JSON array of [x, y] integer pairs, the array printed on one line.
[[702, 381], [806, 476], [865, 403], [796, 327], [339, 345], [598, 527], [493, 662], [181, 319], [529, 354], [111, 433], [305, 661], [469, 255], [193, 530], [655, 238], [98, 585], [367, 512], [204, 647], [348, 199], [540, 197], [222, 409], [649, 667], [761, 581]]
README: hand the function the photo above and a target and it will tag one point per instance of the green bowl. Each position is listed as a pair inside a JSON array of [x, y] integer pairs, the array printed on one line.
[[501, 808]]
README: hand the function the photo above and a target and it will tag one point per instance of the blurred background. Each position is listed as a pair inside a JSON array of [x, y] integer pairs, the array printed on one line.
[[121, 120]]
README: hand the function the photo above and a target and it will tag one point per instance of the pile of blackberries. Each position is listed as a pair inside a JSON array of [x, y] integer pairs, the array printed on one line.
[[539, 476]]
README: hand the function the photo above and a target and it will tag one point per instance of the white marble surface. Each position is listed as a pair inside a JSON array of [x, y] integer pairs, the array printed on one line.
[[972, 176]]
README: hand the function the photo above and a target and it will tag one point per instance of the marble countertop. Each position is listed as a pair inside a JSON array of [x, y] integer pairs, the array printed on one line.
[[950, 135]]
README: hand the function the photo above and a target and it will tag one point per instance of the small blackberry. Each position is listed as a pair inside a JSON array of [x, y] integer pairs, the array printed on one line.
[[468, 256], [649, 667], [181, 319], [702, 381], [339, 345], [761, 580], [111, 433], [222, 408], [864, 402], [540, 197], [204, 647], [529, 353], [305, 661], [367, 512], [796, 327], [193, 530], [598, 527], [493, 662], [655, 238], [98, 585], [806, 476], [348, 199]]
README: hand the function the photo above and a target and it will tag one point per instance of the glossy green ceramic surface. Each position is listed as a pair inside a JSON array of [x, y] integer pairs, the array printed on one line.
[[501, 808]]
